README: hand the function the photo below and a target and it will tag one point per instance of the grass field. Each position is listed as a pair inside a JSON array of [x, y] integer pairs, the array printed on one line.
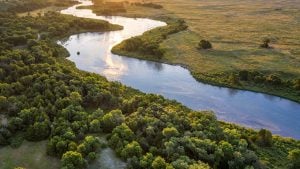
[[29, 155], [236, 30]]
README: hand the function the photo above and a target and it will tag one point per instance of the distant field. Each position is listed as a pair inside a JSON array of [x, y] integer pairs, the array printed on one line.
[[236, 29], [29, 155]]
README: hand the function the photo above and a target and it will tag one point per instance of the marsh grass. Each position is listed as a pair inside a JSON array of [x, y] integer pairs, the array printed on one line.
[[29, 155]]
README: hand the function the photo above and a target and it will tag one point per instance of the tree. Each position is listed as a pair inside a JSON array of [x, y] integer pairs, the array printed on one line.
[[159, 163], [73, 160], [95, 126], [15, 123], [199, 165], [3, 103], [273, 79], [90, 144], [169, 132], [296, 85], [243, 75], [76, 98], [265, 43], [146, 160], [294, 158], [264, 138], [204, 44], [38, 131], [132, 149], [111, 120]]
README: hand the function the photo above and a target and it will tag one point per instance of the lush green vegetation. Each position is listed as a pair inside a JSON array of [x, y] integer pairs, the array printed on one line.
[[102, 7], [121, 7], [149, 5], [44, 97], [30, 5], [25, 30], [147, 45]]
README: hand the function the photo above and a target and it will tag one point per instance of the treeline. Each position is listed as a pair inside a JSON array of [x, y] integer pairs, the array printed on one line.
[[148, 44], [270, 79], [43, 96], [17, 31], [101, 7], [19, 6], [270, 82], [148, 5]]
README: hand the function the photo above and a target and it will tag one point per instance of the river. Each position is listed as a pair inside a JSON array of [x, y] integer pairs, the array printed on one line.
[[250, 109]]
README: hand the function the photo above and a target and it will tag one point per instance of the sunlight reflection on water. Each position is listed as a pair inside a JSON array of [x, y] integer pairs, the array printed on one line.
[[250, 109]]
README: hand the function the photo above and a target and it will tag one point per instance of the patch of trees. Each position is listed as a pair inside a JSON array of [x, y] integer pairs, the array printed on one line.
[[267, 79], [294, 158], [148, 44], [24, 6], [148, 5], [19, 6], [101, 7], [153, 137], [16, 31]]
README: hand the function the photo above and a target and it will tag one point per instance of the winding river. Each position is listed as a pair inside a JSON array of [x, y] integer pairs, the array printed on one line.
[[247, 108]]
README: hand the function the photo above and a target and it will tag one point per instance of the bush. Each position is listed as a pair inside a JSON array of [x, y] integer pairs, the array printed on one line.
[[72, 160], [273, 80], [92, 156], [159, 163], [265, 43], [243, 75], [112, 120], [296, 84], [294, 158], [204, 44], [264, 138]]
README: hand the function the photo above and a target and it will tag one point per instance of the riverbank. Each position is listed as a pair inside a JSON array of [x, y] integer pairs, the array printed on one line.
[[66, 105], [222, 65]]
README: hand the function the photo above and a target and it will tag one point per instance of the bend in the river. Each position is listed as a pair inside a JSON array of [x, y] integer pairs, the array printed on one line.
[[250, 109]]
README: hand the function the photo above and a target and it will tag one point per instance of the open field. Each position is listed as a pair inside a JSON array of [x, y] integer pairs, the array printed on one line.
[[236, 30], [29, 155]]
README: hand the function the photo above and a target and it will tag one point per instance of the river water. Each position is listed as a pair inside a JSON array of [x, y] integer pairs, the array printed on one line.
[[249, 109]]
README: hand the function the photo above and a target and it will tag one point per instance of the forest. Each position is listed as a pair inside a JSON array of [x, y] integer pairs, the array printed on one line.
[[43, 96]]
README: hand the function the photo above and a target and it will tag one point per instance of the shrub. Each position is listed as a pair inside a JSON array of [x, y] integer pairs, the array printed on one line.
[[273, 79], [112, 119], [72, 160], [243, 75], [265, 43], [159, 163], [296, 84], [264, 138], [204, 44], [294, 158]]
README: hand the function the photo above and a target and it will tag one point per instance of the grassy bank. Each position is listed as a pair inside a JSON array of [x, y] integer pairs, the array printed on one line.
[[236, 37], [44, 96]]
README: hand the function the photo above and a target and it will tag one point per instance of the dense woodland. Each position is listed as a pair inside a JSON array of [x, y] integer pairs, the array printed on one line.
[[44, 97], [18, 6]]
